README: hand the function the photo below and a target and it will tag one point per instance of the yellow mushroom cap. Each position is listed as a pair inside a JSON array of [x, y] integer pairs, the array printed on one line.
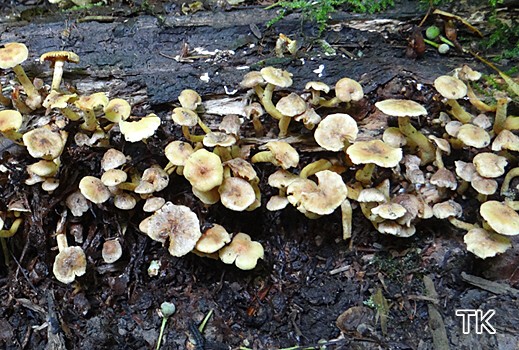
[[184, 117], [485, 244], [317, 86], [241, 168], [393, 137], [43, 168], [236, 193], [506, 140], [155, 176], [117, 110], [276, 76], [483, 185], [277, 203], [43, 143], [94, 190], [395, 229], [13, 54], [473, 136], [178, 151], [309, 117], [285, 155], [113, 177], [242, 251], [347, 90], [153, 204], [124, 201], [10, 120], [204, 170], [53, 56], [489, 164], [207, 197], [401, 108], [450, 87], [291, 105], [447, 209], [335, 130], [189, 99], [281, 178], [141, 129], [112, 251], [213, 239], [91, 102], [328, 195], [500, 217], [176, 223], [390, 211], [69, 263], [375, 151], [57, 99]]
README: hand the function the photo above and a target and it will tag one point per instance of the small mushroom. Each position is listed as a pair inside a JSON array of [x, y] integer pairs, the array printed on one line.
[[489, 164], [141, 129], [94, 190], [117, 110], [242, 251], [77, 203], [176, 223], [10, 122], [289, 106], [236, 194], [204, 170], [70, 261], [452, 89], [346, 90], [189, 99], [473, 136], [500, 217], [213, 239], [124, 201], [43, 143], [315, 87], [57, 60], [60, 101], [371, 153], [89, 104], [157, 179], [112, 251], [112, 159], [485, 244], [11, 56], [280, 153], [336, 132]]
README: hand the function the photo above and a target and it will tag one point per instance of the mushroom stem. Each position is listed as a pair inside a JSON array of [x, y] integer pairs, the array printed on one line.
[[346, 216], [204, 127], [265, 96], [500, 118], [191, 137], [263, 157], [12, 230], [4, 100], [458, 112], [62, 241], [506, 182], [463, 186], [223, 152], [354, 191], [316, 97], [58, 73], [425, 149], [33, 97], [314, 167], [13, 135], [170, 168], [284, 122], [439, 159], [461, 224], [482, 197], [364, 175], [70, 114], [258, 127], [333, 102], [90, 123], [476, 102]]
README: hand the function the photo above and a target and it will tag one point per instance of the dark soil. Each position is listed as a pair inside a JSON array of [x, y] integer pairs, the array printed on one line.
[[309, 275]]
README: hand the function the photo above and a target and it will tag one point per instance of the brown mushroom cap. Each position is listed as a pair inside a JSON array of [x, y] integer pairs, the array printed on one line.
[[236, 193], [276, 76], [241, 168], [242, 251], [94, 190], [184, 117], [335, 130], [13, 54], [204, 170], [112, 251], [189, 99], [473, 136], [176, 223], [218, 138], [375, 151], [69, 263], [347, 90], [485, 244], [156, 176], [117, 110], [291, 105], [401, 108], [43, 143], [112, 159], [489, 164], [10, 120], [53, 56], [77, 203], [213, 239], [141, 129], [500, 217], [450, 87]]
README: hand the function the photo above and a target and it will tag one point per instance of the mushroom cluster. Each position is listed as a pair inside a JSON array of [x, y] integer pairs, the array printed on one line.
[[397, 178]]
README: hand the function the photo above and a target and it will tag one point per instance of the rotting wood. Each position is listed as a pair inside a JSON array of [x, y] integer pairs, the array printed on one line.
[[493, 287], [439, 334]]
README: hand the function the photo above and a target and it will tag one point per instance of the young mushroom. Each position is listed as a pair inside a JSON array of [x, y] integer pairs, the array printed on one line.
[[10, 123], [346, 90], [213, 239], [500, 217], [336, 132], [140, 130], [70, 261], [279, 153], [11, 56], [57, 60], [289, 106], [485, 244], [242, 251], [44, 143], [236, 193], [204, 170], [452, 89], [371, 153], [112, 251]]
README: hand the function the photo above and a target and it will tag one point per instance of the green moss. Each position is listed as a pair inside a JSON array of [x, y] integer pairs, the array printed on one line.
[[319, 11]]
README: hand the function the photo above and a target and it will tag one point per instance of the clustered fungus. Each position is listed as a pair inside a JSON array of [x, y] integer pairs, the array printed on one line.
[[352, 168]]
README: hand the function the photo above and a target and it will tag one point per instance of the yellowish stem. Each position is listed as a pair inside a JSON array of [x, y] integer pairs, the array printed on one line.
[[500, 118], [315, 167]]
